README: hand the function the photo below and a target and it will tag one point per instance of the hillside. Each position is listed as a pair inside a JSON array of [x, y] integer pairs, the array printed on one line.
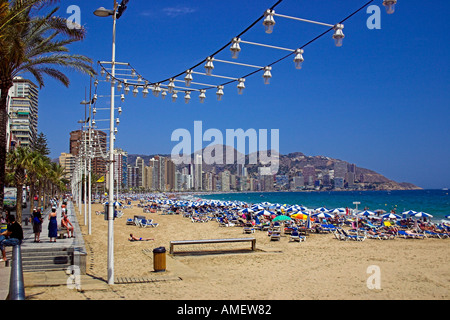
[[291, 164]]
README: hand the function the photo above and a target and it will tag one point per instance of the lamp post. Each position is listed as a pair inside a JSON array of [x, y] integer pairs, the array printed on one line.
[[116, 14]]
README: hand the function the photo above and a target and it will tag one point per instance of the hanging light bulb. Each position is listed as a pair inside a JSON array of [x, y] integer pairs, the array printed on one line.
[[241, 86], [338, 35], [235, 48], [219, 93], [102, 72], [133, 73], [171, 85], [108, 77], [269, 21], [115, 132], [96, 83], [117, 121], [209, 66], [145, 92], [187, 97], [139, 79], [119, 110], [122, 97], [202, 95], [188, 79], [95, 97], [174, 96], [267, 75], [94, 111], [163, 94], [390, 6], [93, 122], [127, 88], [119, 86], [156, 90], [298, 60], [135, 91]]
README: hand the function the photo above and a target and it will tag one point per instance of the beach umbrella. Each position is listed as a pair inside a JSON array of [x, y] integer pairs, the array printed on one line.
[[246, 210], [281, 218], [292, 209], [337, 211], [323, 215], [321, 209], [390, 216], [409, 212], [366, 213], [423, 215], [447, 216], [257, 207], [264, 212]]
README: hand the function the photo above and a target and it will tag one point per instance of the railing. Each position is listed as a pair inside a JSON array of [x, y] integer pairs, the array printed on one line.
[[16, 284]]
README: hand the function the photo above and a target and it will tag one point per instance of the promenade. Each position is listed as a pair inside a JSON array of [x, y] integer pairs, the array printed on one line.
[[76, 243]]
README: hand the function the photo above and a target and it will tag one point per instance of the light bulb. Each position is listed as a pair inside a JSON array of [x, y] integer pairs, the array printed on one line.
[[209, 66], [188, 79], [298, 60], [267, 75], [241, 86], [235, 48], [202, 96], [171, 85], [174, 96], [269, 21], [219, 93], [338, 35], [187, 97], [390, 6]]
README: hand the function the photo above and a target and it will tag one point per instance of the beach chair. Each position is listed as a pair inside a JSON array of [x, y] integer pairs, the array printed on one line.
[[275, 236], [353, 237], [407, 235], [436, 234], [295, 236], [145, 223], [130, 222]]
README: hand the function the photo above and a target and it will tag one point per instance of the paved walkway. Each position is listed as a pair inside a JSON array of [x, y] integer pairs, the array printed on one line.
[[28, 242]]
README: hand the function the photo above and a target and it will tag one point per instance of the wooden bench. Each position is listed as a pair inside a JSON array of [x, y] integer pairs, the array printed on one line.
[[209, 241]]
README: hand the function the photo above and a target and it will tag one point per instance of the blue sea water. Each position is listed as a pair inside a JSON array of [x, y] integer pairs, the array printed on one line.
[[434, 202]]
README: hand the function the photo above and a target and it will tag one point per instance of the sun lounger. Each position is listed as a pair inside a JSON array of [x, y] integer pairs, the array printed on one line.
[[295, 236], [248, 229], [435, 234], [408, 235], [353, 237], [275, 236]]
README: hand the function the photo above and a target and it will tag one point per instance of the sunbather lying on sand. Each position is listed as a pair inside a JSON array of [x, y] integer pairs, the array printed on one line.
[[133, 238]]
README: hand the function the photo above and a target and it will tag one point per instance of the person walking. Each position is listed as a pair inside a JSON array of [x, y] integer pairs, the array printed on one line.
[[52, 225], [37, 224]]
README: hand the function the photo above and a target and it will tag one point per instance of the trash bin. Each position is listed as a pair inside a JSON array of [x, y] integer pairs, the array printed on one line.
[[159, 259]]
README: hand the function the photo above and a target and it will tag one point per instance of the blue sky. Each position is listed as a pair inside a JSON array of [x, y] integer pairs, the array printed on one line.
[[381, 101]]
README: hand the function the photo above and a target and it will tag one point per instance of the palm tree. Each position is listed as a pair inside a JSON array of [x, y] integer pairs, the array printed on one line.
[[32, 172], [37, 45], [18, 161]]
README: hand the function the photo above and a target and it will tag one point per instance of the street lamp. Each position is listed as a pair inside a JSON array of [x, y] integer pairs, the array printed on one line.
[[115, 13]]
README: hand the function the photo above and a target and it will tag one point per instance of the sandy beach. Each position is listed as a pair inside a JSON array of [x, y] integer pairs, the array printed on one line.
[[321, 268]]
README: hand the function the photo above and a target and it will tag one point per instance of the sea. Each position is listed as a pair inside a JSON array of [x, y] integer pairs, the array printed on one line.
[[435, 202]]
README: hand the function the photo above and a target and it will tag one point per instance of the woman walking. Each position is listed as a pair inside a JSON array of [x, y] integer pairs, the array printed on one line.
[[52, 225], [37, 225]]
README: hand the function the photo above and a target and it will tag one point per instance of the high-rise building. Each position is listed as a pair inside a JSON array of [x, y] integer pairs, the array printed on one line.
[[170, 170], [140, 163], [198, 172], [67, 161], [340, 169], [133, 177], [225, 180], [98, 145], [309, 175], [22, 107], [120, 167]]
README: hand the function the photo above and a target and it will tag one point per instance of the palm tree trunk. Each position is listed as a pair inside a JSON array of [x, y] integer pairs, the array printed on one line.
[[5, 84]]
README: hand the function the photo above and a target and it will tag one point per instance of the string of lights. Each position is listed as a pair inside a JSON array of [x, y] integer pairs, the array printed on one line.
[[127, 77]]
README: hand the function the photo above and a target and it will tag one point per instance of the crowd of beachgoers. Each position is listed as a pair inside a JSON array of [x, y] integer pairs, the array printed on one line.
[[295, 220]]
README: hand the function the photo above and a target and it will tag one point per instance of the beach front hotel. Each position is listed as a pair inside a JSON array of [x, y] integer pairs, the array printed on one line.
[[22, 107]]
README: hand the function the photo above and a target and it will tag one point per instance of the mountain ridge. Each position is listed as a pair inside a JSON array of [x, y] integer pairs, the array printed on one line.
[[291, 164]]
